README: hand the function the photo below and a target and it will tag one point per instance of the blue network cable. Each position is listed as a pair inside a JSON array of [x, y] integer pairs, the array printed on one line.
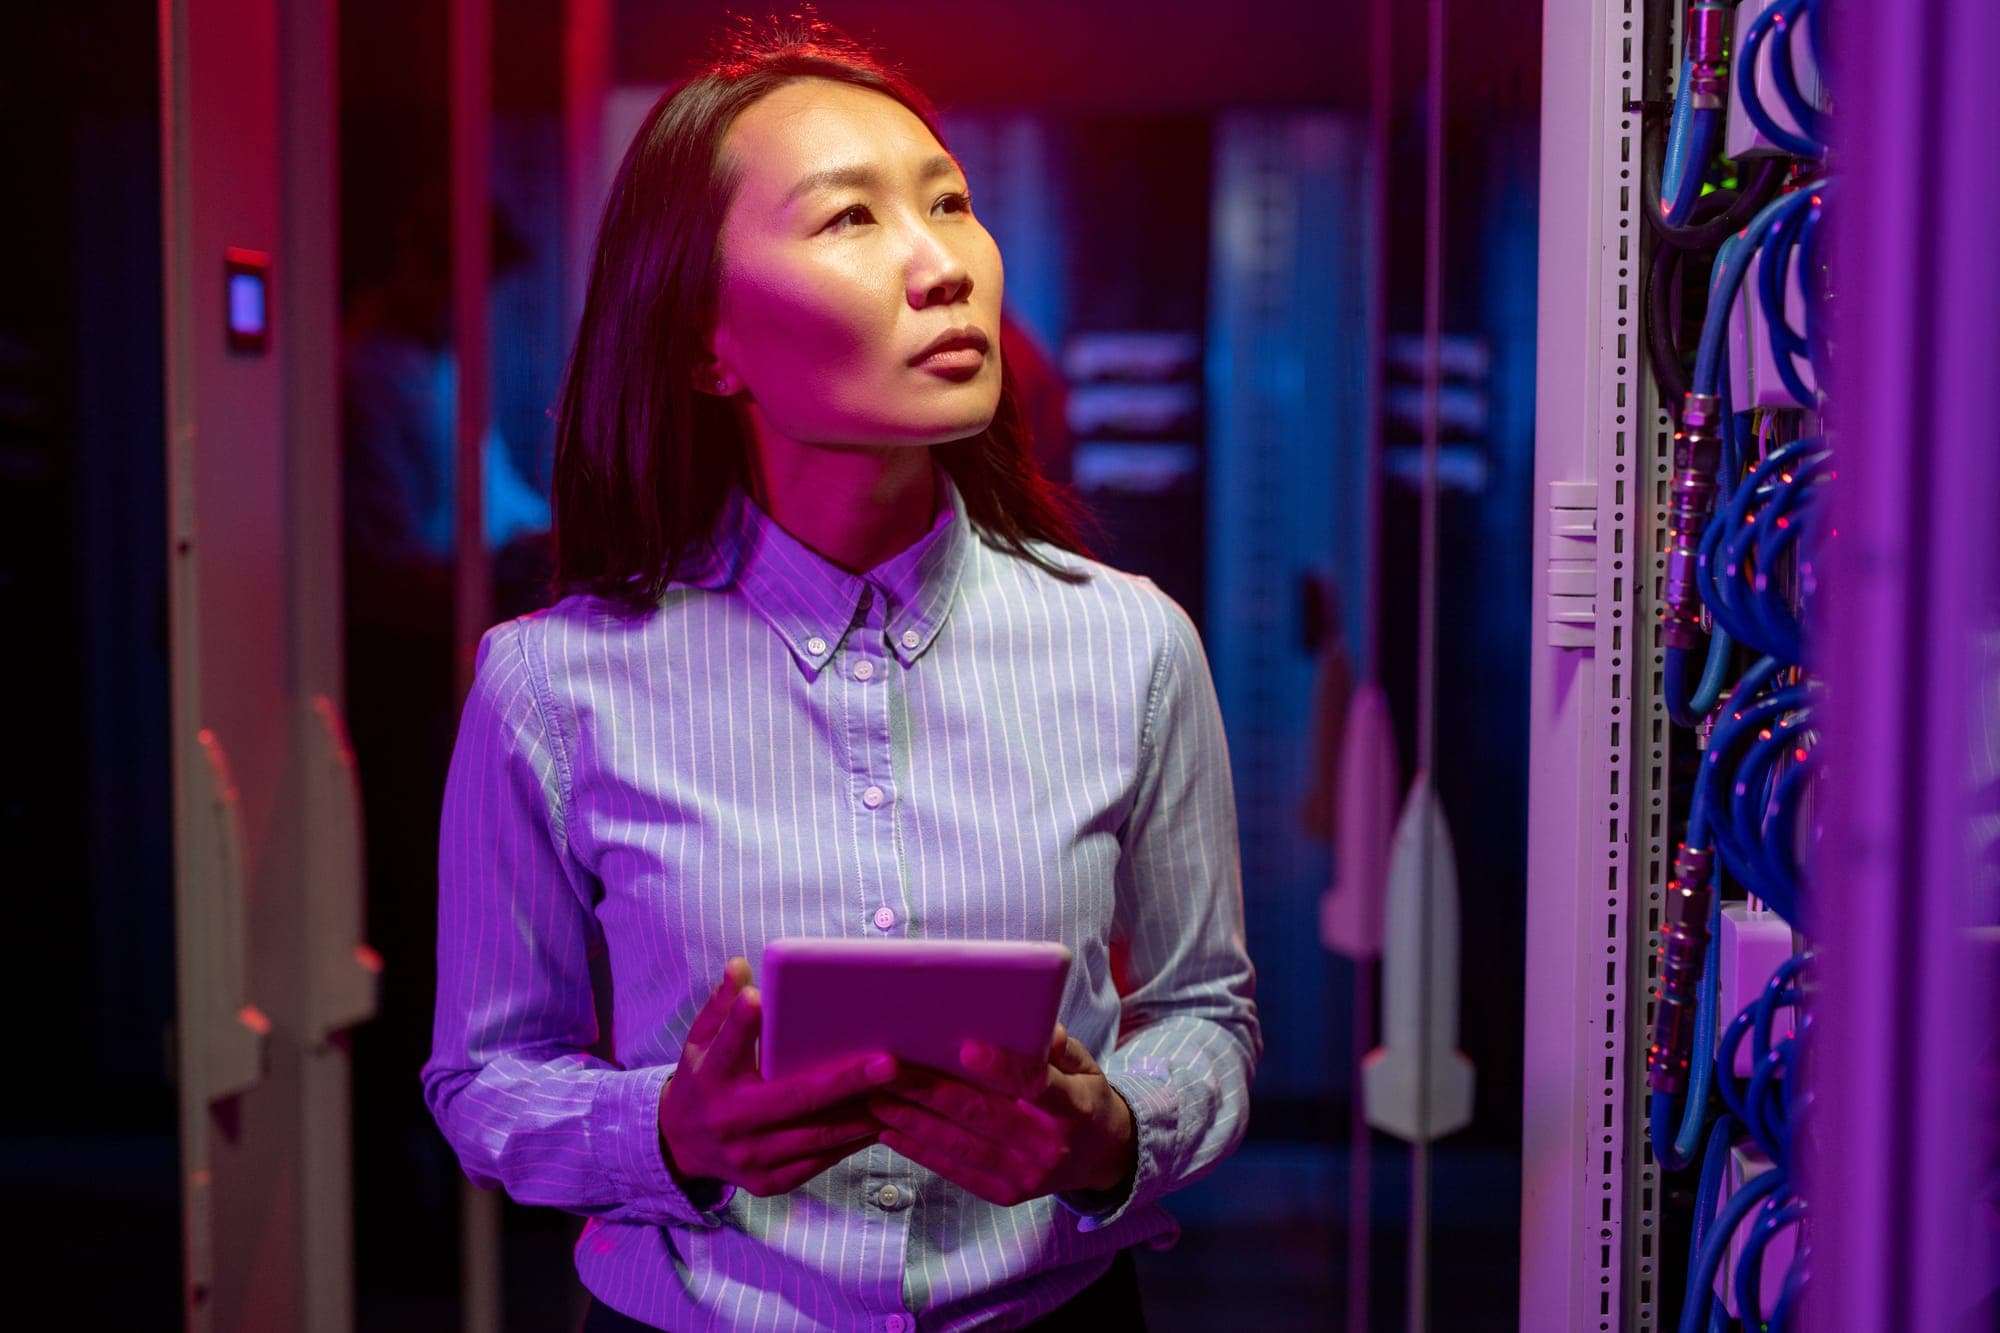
[[1715, 667], [1773, 280], [1812, 258], [1708, 1258], [1746, 521], [1706, 419], [1741, 806], [1697, 454], [1753, 550], [1757, 1022], [1773, 1218], [1675, 1144], [1725, 1063], [1783, 13], [1762, 1097], [1788, 1296], [1690, 147], [1707, 1198], [1777, 830], [1716, 832], [1762, 1106], [1810, 120], [1782, 488], [1730, 265]]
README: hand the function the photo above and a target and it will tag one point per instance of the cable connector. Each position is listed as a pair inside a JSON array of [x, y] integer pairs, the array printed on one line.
[[1697, 455], [1683, 941], [1708, 67], [1706, 731]]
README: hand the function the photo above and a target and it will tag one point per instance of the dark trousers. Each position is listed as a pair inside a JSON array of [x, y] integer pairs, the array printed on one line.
[[1108, 1305]]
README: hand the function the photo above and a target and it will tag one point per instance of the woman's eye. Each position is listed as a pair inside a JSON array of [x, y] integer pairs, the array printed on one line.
[[956, 203], [856, 214]]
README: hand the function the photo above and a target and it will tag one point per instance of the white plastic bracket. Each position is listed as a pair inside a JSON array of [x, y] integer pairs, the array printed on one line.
[[345, 980], [1572, 568], [230, 1037]]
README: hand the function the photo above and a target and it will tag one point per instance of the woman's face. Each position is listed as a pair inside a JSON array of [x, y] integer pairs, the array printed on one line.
[[848, 251]]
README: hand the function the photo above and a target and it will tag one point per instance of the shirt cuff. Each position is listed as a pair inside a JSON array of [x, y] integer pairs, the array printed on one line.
[[1155, 1118], [625, 1118]]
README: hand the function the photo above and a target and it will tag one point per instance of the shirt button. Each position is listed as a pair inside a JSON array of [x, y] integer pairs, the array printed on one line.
[[885, 919], [872, 798], [863, 670], [890, 1196], [896, 1323], [910, 639], [815, 645]]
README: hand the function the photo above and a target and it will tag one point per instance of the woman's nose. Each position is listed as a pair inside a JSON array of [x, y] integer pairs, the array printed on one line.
[[937, 273]]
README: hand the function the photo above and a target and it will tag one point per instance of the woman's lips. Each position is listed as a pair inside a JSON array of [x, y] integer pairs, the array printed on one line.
[[955, 354]]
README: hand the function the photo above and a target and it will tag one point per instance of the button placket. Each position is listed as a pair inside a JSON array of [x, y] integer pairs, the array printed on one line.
[[868, 701]]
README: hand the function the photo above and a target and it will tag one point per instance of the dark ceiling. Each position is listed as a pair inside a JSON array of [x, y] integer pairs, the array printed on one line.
[[1166, 55]]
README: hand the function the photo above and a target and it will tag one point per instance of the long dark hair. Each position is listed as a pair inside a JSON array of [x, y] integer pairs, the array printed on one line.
[[644, 462]]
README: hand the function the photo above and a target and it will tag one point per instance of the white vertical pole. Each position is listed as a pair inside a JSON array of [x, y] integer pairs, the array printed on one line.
[[338, 979], [1417, 1314], [1367, 972], [176, 232]]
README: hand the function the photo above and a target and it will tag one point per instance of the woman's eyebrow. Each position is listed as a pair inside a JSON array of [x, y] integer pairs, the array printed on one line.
[[842, 178]]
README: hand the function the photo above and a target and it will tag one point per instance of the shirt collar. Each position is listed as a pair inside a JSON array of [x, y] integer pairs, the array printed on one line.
[[812, 603]]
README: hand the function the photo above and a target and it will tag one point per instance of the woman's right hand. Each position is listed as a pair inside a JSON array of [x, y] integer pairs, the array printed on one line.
[[720, 1119]]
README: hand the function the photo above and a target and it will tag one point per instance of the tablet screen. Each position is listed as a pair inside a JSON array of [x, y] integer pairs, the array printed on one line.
[[919, 1000]]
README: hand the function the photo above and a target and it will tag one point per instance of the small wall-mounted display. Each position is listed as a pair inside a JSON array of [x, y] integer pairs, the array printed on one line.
[[247, 300]]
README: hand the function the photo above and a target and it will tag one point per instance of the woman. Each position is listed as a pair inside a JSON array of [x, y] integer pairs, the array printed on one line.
[[832, 663]]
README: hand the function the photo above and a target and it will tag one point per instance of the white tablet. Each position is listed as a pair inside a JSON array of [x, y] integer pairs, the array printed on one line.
[[919, 1000]]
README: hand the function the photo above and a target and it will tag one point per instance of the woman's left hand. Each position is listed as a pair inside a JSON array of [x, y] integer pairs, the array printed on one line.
[[1011, 1128]]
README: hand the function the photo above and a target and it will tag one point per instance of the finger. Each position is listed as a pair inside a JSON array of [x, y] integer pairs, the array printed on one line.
[[940, 1131], [799, 1095], [1014, 1135], [735, 976], [788, 1147], [1009, 1073], [988, 1186], [992, 1116], [1071, 1056], [735, 1042], [1069, 1095]]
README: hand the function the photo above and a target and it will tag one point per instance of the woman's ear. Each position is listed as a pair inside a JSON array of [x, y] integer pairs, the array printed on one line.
[[711, 377], [711, 371]]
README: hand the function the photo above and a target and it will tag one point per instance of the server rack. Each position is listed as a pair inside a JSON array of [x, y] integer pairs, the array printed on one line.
[[1599, 743]]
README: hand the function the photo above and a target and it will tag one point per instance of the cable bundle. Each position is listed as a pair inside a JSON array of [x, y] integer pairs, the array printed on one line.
[[1746, 521]]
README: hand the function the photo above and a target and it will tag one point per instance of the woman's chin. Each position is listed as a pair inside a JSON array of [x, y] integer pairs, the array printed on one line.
[[946, 431]]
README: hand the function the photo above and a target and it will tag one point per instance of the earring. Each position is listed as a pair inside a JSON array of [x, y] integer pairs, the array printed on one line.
[[722, 386]]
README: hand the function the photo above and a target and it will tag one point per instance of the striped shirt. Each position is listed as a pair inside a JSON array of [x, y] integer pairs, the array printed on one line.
[[954, 746]]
